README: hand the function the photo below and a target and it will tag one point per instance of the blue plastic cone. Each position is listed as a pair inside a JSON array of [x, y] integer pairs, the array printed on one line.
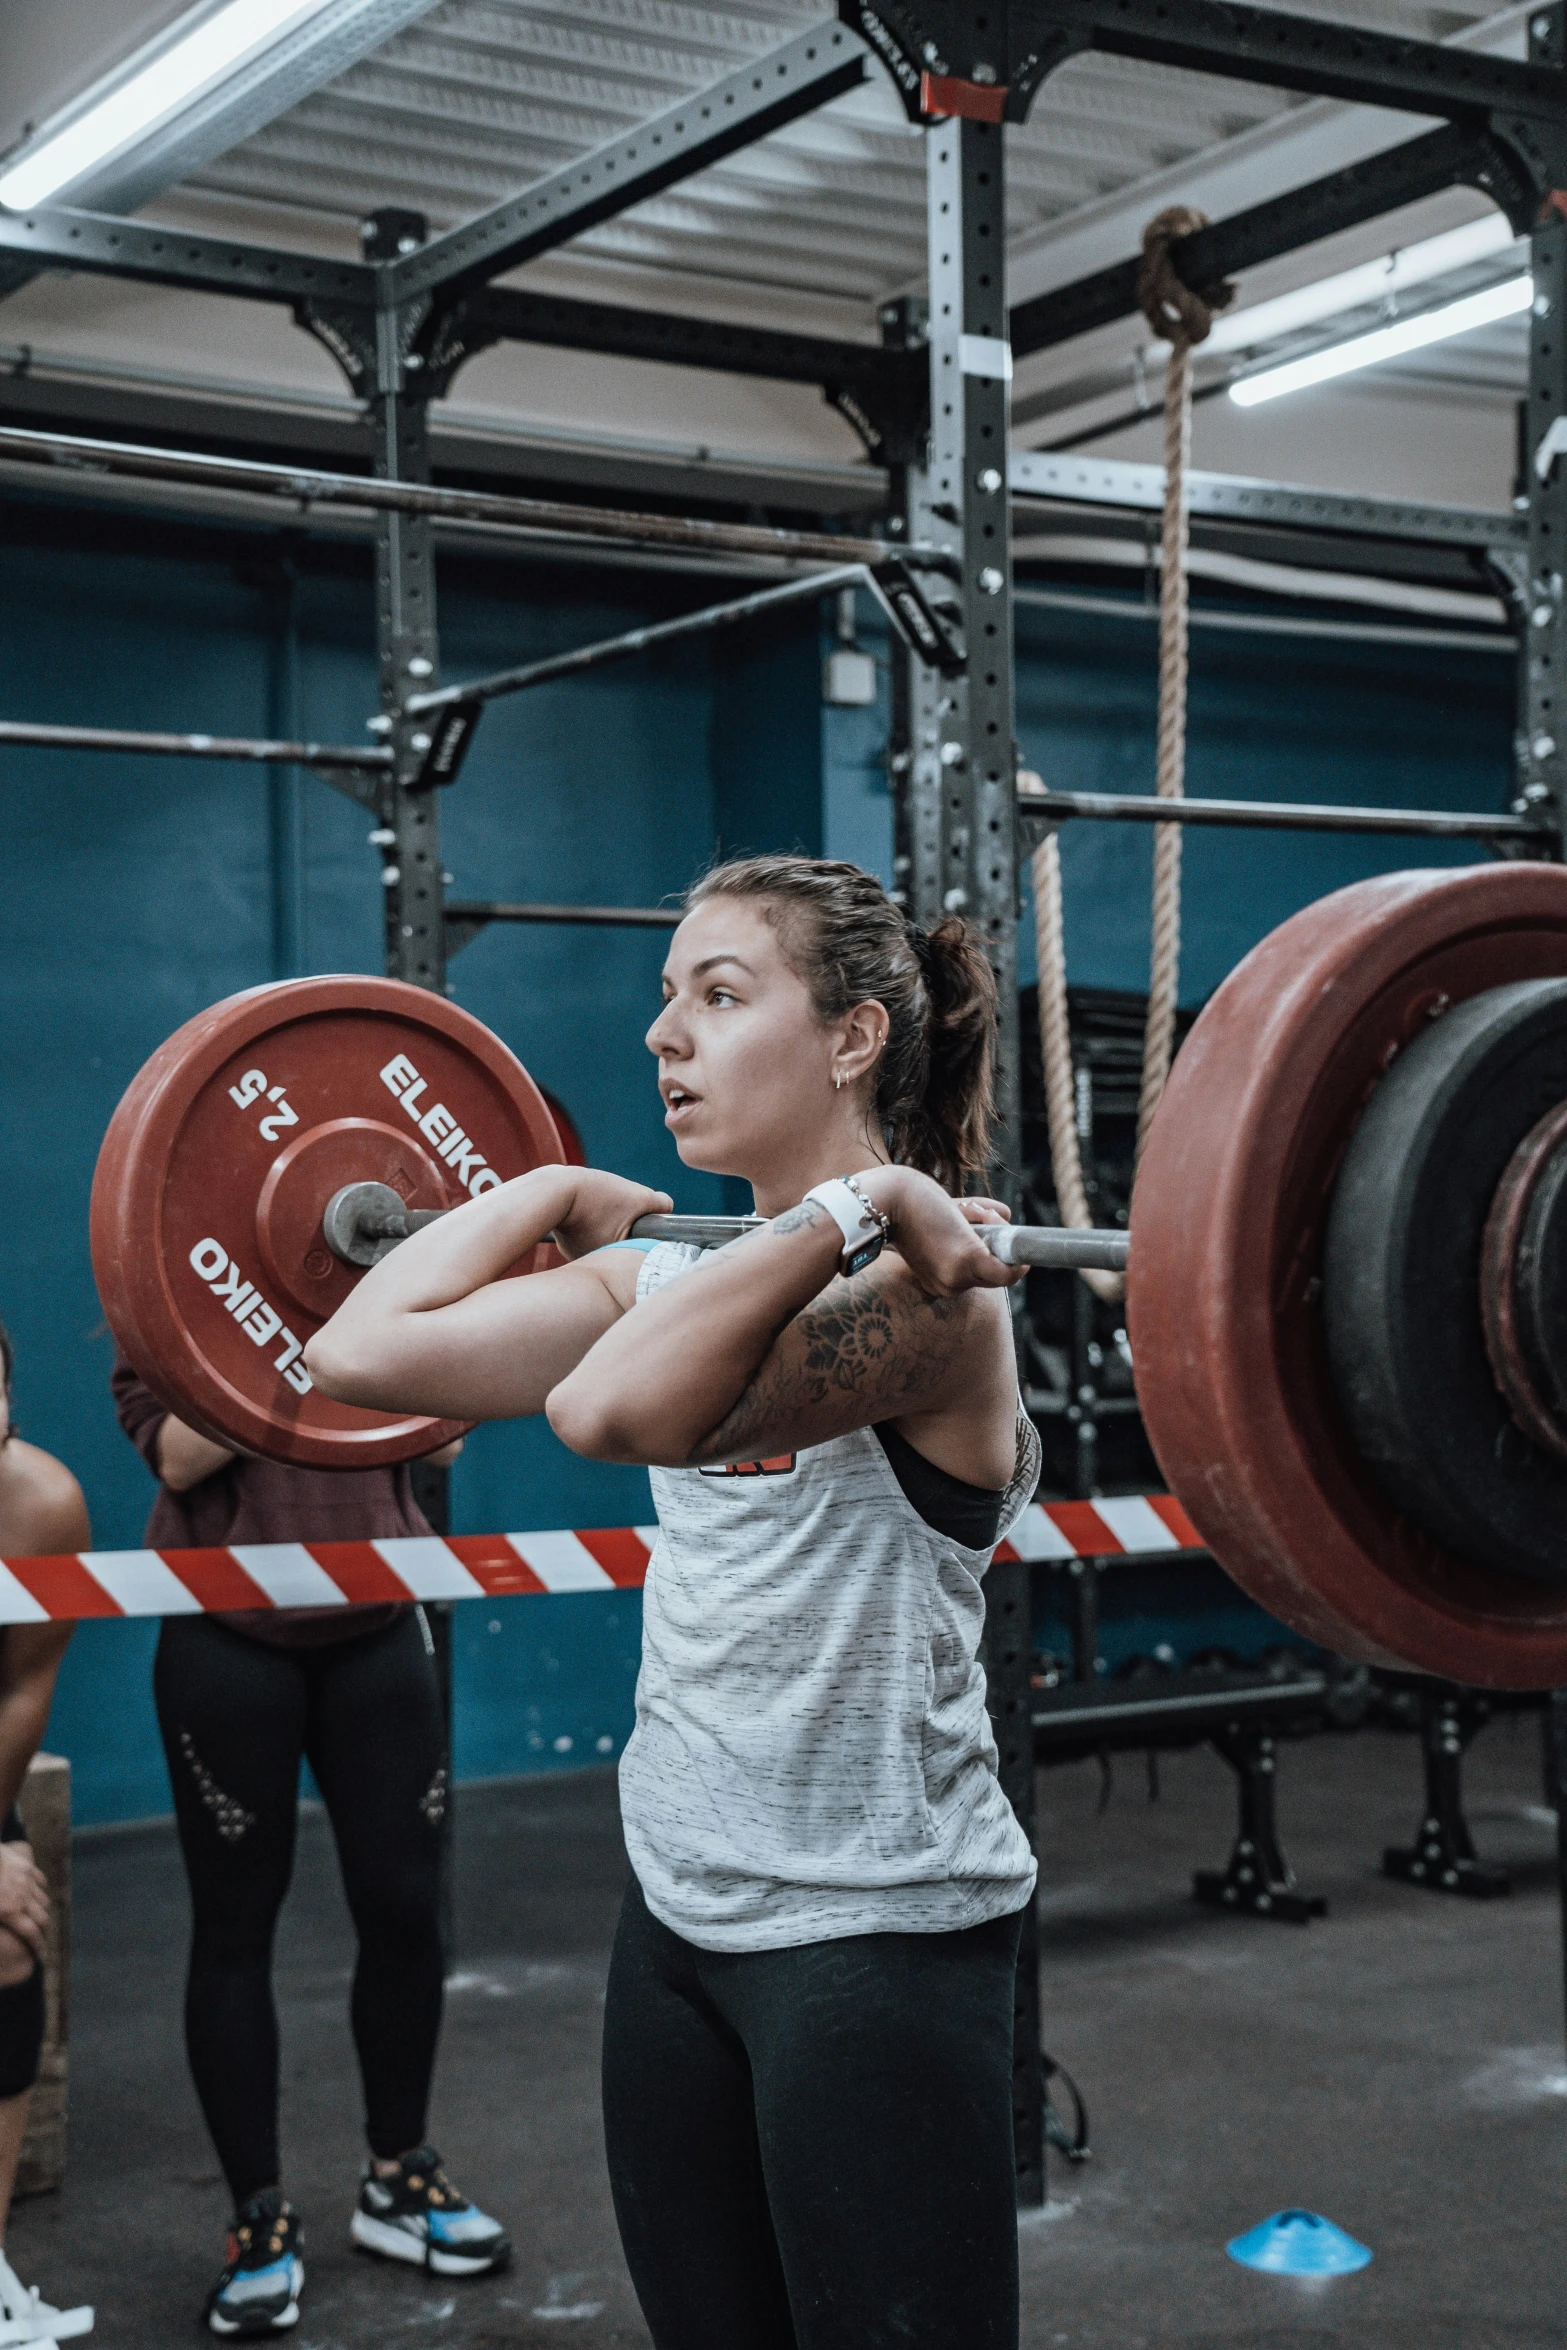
[[1298, 2244]]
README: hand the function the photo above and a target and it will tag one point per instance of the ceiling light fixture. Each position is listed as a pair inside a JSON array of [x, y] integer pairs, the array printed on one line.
[[180, 75], [1398, 272], [1386, 342]]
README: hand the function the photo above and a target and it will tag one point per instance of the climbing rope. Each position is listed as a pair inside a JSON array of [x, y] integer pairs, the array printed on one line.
[[1178, 315]]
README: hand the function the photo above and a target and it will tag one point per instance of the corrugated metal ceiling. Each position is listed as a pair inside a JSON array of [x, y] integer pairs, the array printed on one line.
[[483, 95]]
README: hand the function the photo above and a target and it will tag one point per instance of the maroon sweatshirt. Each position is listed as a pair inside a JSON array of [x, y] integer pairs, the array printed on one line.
[[271, 1501]]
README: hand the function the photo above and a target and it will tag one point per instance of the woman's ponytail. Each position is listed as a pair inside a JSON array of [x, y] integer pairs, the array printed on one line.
[[944, 1128]]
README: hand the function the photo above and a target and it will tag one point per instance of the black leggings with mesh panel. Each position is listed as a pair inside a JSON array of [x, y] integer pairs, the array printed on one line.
[[237, 1716]]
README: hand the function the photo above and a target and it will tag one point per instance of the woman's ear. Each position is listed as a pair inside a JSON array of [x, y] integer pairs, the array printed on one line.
[[864, 1041]]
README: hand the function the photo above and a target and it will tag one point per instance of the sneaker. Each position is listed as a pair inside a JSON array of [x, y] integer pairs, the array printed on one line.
[[418, 2216], [24, 2318], [263, 2275]]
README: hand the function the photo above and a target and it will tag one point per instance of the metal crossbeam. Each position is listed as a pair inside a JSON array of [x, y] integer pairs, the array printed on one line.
[[1309, 54], [1450, 157], [23, 734], [544, 518], [56, 236], [637, 640], [517, 315], [1072, 1707], [685, 138], [1233, 497], [463, 915], [1283, 816]]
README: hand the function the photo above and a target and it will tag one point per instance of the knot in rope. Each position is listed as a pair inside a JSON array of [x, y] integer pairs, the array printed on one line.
[[1176, 312]]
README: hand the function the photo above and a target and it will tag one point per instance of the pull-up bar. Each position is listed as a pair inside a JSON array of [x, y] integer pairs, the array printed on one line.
[[538, 518], [24, 734]]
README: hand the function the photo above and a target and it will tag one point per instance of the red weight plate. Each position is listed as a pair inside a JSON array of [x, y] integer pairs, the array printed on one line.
[[218, 1163], [1224, 1292]]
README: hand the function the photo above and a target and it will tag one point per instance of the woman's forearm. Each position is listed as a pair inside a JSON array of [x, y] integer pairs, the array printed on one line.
[[185, 1458], [468, 1249], [626, 1401]]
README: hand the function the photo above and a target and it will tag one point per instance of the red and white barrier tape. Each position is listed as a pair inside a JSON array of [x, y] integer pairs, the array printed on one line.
[[74, 1584]]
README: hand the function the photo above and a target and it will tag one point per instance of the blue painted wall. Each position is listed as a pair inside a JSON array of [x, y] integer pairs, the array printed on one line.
[[1270, 718], [142, 890]]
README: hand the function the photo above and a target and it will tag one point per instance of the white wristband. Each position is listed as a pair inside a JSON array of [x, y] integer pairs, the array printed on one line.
[[848, 1212], [863, 1232]]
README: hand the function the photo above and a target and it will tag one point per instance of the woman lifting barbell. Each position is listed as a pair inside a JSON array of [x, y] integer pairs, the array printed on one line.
[[808, 2031]]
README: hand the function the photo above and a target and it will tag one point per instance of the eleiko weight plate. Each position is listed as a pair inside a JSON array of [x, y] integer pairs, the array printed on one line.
[[1401, 1279], [1225, 1289], [218, 1162]]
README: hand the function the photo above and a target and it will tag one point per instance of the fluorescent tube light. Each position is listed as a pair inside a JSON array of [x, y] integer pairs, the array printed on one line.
[[1387, 342], [177, 77], [1372, 281]]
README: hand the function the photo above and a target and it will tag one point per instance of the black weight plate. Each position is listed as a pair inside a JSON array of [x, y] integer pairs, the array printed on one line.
[[1401, 1279], [1540, 1284]]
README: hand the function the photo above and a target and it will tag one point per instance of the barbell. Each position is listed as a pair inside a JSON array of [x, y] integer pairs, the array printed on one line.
[[1347, 1274], [283, 1140], [363, 1221]]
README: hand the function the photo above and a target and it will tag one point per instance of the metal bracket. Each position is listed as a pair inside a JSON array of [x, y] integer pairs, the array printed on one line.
[[364, 786], [348, 332], [451, 735], [947, 61], [462, 930], [892, 417], [890, 410], [447, 339], [408, 347], [918, 621]]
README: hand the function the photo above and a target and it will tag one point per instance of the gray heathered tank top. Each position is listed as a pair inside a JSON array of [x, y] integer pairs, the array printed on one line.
[[812, 1756]]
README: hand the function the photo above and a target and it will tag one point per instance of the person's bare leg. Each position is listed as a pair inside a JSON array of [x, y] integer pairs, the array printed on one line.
[[13, 2129], [16, 1966]]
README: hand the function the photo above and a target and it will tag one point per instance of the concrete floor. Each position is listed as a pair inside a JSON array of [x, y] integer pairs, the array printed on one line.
[[1398, 2066]]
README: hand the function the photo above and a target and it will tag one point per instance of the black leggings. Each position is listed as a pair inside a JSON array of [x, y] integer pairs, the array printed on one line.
[[811, 2149], [236, 1716], [23, 2006]]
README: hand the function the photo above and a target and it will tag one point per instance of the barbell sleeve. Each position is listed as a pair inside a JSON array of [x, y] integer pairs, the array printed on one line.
[[364, 1220], [1062, 1246]]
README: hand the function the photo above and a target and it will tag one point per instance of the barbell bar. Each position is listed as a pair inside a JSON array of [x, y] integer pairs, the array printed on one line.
[[363, 1222]]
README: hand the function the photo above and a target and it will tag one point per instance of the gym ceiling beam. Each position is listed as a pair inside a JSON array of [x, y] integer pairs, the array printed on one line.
[[101, 243], [1455, 156], [1232, 497], [1307, 54], [519, 315], [685, 138]]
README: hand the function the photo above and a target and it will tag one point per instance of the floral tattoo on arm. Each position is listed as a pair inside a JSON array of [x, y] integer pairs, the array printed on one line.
[[883, 1342]]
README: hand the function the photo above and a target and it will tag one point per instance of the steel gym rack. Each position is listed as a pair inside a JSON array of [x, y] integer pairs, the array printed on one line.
[[931, 406]]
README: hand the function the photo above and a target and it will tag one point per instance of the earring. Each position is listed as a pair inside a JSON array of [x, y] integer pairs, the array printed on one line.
[[837, 1080]]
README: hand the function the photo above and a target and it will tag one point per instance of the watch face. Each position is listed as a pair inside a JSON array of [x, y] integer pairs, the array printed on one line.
[[855, 1260]]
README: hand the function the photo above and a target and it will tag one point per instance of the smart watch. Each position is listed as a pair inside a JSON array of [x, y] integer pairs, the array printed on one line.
[[866, 1231]]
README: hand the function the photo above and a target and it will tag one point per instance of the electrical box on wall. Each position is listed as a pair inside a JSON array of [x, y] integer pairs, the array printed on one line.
[[849, 678]]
